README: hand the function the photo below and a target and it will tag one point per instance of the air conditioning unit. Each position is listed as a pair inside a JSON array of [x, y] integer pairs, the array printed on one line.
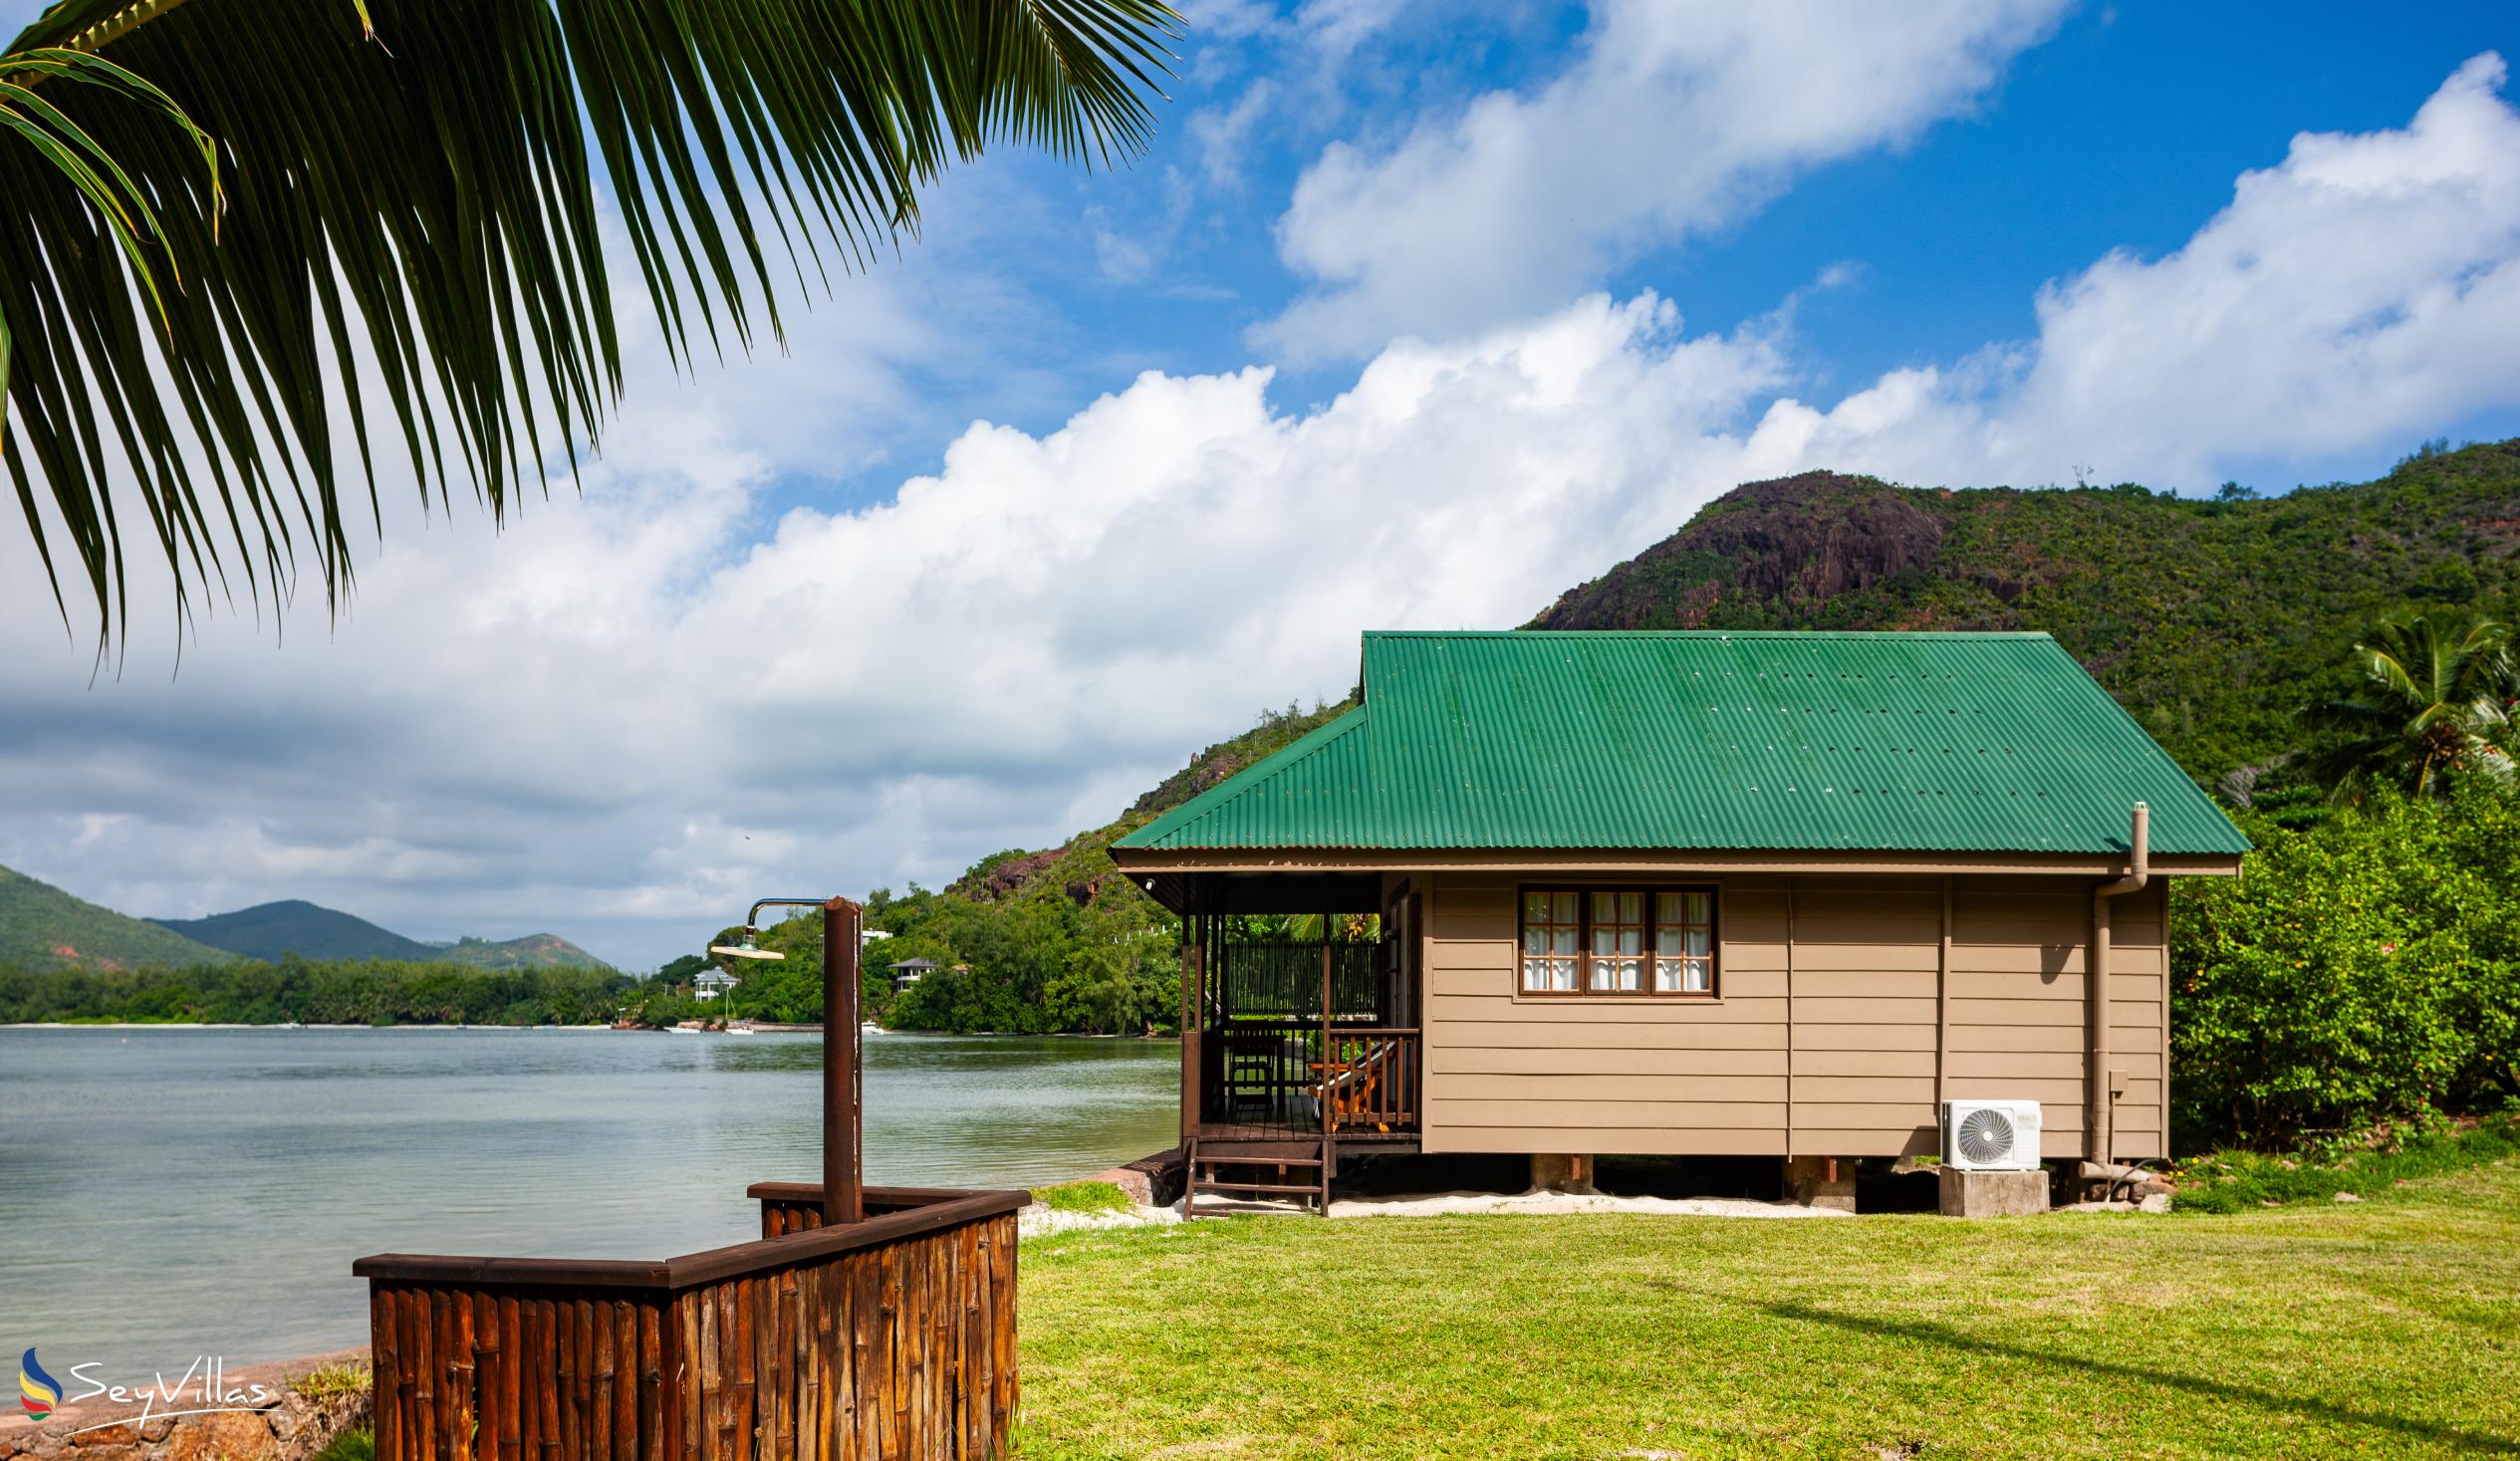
[[1990, 1135]]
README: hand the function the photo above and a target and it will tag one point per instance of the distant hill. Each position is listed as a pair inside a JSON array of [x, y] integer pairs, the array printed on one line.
[[43, 927], [533, 951], [270, 930], [2211, 620]]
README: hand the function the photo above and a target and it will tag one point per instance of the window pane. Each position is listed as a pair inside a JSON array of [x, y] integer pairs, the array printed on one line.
[[1668, 909], [1562, 974], [1701, 941], [1701, 907], [1535, 974], [1666, 939], [1632, 907], [1631, 940], [1563, 905], [1562, 939], [1666, 976], [1536, 939], [1615, 975], [1535, 908]]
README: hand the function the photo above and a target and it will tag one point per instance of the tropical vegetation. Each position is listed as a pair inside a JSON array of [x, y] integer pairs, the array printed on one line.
[[217, 254], [2437, 701], [2364, 968], [292, 990]]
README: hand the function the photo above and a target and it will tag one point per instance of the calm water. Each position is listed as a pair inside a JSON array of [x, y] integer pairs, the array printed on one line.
[[167, 1194]]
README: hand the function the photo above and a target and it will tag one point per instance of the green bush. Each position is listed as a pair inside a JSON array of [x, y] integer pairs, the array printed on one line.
[[2363, 970]]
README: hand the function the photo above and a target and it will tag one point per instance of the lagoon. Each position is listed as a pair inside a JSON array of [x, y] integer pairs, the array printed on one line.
[[170, 1192]]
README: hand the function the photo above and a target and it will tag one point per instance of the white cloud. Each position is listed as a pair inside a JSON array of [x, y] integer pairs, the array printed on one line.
[[2364, 290], [634, 712], [1223, 134], [1675, 120]]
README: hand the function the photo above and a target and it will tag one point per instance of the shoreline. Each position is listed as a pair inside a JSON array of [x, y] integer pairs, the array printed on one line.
[[560, 1029]]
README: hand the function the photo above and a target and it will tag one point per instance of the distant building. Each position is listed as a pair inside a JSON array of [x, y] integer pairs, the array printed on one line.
[[710, 983], [911, 971]]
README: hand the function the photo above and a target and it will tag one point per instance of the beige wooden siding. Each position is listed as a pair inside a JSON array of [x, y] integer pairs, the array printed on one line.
[[2138, 1025], [1854, 1072], [1594, 1076]]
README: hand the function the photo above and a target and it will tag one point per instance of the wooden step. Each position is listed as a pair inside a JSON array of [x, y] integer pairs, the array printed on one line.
[[1309, 1189], [1263, 1152]]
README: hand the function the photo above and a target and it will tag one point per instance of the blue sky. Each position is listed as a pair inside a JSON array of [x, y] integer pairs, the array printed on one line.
[[1413, 317], [2124, 130]]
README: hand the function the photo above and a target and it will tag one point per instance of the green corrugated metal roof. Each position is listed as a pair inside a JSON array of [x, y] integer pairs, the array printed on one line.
[[1697, 739]]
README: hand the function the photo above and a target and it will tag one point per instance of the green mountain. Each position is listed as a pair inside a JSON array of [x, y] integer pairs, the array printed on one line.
[[41, 927], [2209, 620], [269, 930], [533, 951]]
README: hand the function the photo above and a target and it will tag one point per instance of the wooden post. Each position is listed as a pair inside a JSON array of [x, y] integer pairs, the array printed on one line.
[[1326, 1095], [844, 1131], [1193, 1006]]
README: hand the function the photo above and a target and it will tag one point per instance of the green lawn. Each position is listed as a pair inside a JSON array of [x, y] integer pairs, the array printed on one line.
[[2389, 1327]]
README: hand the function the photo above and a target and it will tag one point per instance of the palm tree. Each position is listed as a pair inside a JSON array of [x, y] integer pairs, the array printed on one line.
[[235, 226], [2437, 700]]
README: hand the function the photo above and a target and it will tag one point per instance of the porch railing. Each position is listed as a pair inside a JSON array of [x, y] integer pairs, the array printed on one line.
[[1284, 1079], [1370, 1081]]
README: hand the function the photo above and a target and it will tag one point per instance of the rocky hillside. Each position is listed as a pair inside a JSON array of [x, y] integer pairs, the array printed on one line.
[[2211, 620], [533, 951], [43, 927], [1082, 863]]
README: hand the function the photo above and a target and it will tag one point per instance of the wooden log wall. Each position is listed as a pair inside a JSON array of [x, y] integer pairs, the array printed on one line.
[[899, 1349]]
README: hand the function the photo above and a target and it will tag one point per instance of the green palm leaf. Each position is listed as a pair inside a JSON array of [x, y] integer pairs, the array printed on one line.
[[409, 199], [2437, 701]]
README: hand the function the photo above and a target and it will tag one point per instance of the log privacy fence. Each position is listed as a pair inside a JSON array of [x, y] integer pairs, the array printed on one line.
[[864, 1323]]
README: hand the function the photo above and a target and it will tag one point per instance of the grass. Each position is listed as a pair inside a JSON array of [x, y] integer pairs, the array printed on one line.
[[349, 1445], [331, 1381], [2389, 1327], [2235, 1182], [1083, 1198]]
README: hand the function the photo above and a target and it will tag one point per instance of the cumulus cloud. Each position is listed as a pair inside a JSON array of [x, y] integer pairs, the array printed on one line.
[[1675, 120], [648, 704], [2366, 290]]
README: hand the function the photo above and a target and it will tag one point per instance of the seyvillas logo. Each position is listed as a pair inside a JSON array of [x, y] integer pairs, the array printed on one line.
[[202, 1389], [37, 1391]]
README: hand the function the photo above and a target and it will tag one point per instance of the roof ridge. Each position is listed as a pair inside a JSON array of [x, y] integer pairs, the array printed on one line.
[[1544, 635]]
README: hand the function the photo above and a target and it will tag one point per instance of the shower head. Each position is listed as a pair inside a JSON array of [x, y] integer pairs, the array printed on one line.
[[747, 949]]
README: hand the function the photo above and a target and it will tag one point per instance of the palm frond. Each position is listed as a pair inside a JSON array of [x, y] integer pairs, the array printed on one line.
[[2437, 698], [411, 198]]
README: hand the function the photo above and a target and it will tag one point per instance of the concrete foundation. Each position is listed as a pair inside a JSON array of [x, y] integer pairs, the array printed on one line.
[[1993, 1194], [1572, 1174], [1821, 1181]]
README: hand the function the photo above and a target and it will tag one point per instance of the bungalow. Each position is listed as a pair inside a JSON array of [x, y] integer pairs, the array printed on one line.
[[1694, 894], [910, 971]]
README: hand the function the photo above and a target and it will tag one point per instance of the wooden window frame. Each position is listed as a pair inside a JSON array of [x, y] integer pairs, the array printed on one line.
[[1584, 989]]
